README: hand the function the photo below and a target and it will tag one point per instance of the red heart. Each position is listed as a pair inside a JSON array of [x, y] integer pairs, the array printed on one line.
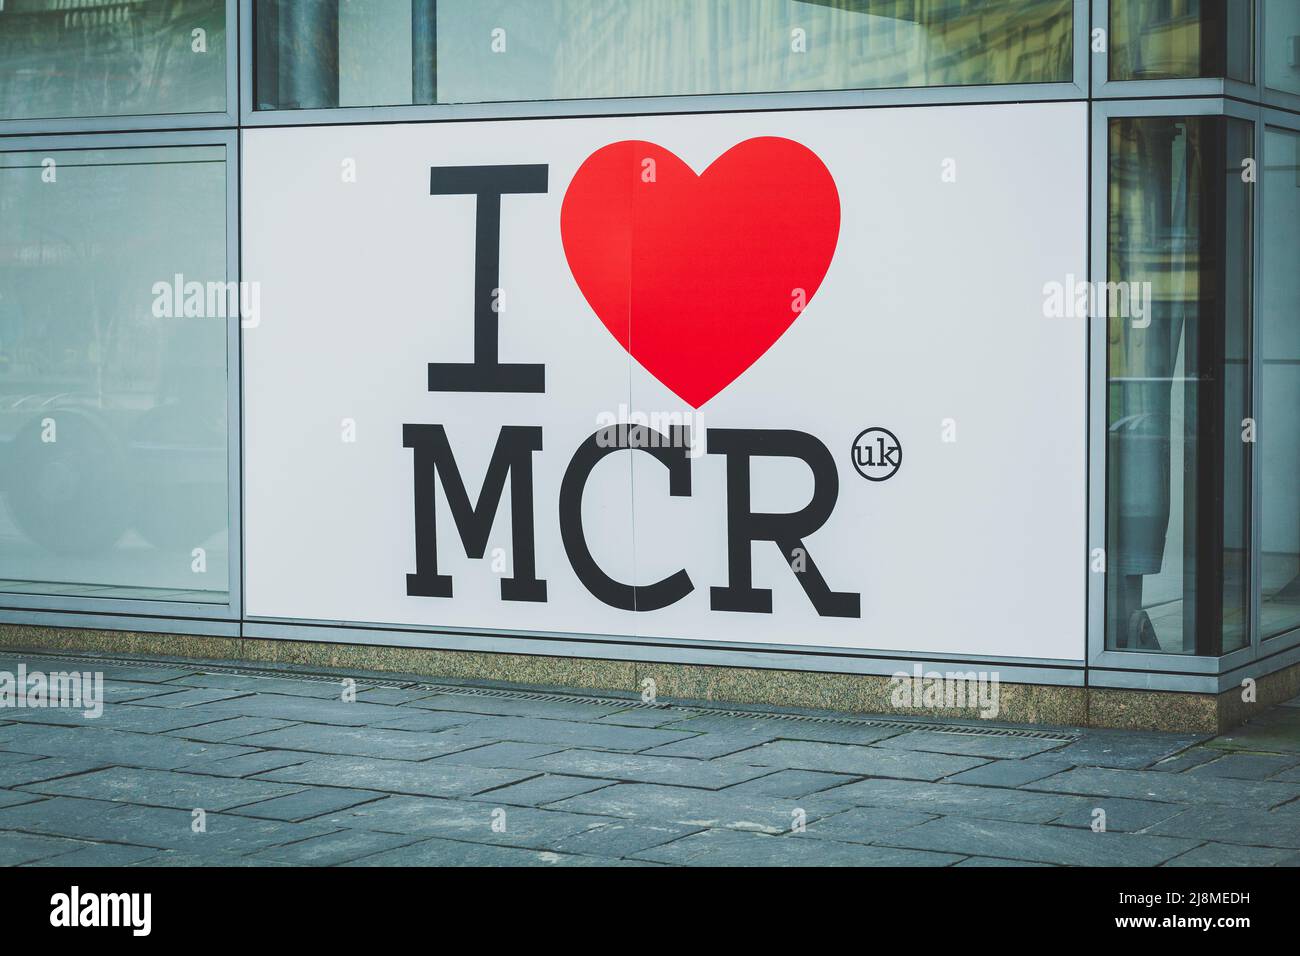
[[698, 276]]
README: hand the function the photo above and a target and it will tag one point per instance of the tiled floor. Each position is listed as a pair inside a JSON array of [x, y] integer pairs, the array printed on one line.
[[188, 766]]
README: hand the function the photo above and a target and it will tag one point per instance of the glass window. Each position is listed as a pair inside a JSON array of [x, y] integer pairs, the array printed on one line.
[[113, 464], [1178, 390], [1282, 45], [1279, 418], [319, 53], [1181, 39], [88, 58]]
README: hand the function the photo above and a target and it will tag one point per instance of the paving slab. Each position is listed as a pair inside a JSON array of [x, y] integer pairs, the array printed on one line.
[[161, 788], [363, 741], [189, 859], [306, 804], [129, 717], [971, 745], [299, 708], [1192, 757], [755, 725], [476, 821], [643, 717], [1246, 766], [392, 696], [432, 779], [987, 803], [426, 721], [640, 768], [158, 827], [506, 754], [332, 849], [988, 861], [836, 733], [1121, 813], [157, 751], [19, 848], [180, 697], [1045, 844], [1273, 731], [1168, 787], [44, 768], [1227, 854], [229, 728], [121, 691], [98, 854], [618, 839], [1241, 825], [569, 733], [851, 759], [7, 758], [1012, 773], [791, 784], [708, 746], [543, 789], [864, 824], [643, 802], [454, 853], [737, 848], [245, 764], [1124, 749], [9, 798]]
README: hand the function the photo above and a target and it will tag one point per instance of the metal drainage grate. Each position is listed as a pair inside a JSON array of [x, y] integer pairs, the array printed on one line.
[[627, 703]]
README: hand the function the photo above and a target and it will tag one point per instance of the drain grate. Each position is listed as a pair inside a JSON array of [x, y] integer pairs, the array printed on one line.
[[626, 703]]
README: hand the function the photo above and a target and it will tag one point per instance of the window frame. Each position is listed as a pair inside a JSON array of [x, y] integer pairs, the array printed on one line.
[[1104, 87], [227, 118], [1250, 658], [202, 617], [1074, 89]]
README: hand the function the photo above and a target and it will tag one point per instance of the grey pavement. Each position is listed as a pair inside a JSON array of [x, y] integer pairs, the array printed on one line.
[[198, 764]]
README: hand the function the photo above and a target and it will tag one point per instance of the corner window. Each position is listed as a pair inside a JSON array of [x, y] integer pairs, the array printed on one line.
[[1181, 39], [1279, 416], [1178, 386]]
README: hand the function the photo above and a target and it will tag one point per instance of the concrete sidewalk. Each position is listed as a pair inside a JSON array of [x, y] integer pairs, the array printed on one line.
[[195, 764]]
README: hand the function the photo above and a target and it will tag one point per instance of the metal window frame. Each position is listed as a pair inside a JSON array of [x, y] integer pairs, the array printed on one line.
[[227, 118], [1074, 89], [1279, 99], [182, 616], [1252, 655], [1103, 87], [1269, 117]]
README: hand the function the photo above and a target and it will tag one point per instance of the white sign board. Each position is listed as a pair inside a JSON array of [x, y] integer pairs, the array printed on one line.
[[780, 378]]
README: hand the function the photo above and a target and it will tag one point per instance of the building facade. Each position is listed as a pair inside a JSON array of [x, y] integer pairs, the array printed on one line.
[[757, 350]]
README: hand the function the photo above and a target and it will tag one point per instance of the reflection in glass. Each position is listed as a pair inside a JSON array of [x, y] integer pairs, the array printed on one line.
[[87, 58], [320, 53], [1181, 39], [1178, 490], [1281, 52], [113, 465], [1279, 438]]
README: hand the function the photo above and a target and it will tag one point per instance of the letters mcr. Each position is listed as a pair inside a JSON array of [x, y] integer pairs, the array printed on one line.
[[512, 461]]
